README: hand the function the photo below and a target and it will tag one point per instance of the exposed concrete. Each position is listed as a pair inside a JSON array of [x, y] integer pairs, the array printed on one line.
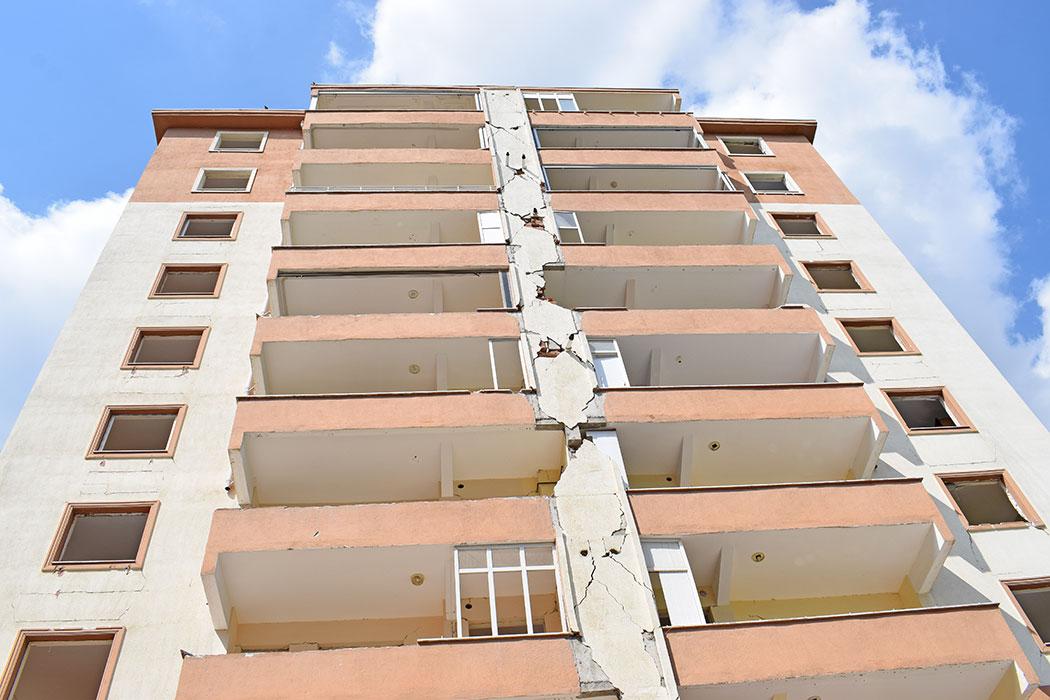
[[621, 650]]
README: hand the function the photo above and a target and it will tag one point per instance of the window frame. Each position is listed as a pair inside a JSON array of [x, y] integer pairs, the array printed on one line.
[[94, 447], [556, 96], [215, 148], [682, 572], [237, 216], [491, 215], [908, 347], [1017, 498], [964, 424], [793, 187], [1020, 584], [141, 331], [489, 570], [115, 635], [822, 226], [601, 375], [198, 183], [578, 227], [166, 267], [65, 525], [865, 285], [762, 144]]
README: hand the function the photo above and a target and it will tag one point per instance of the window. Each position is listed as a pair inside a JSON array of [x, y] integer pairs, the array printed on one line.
[[836, 276], [550, 102], [137, 431], [608, 363], [225, 180], [68, 664], [507, 589], [799, 225], [677, 600], [745, 145], [164, 348], [208, 226], [569, 230], [490, 224], [989, 500], [240, 141], [771, 183], [878, 336], [102, 536], [928, 410], [1032, 596], [188, 281]]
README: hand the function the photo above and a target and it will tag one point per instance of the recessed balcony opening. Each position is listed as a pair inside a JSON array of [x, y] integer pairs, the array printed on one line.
[[67, 664], [188, 281], [395, 100], [457, 136], [239, 141], [927, 410], [877, 336], [838, 276], [230, 180], [693, 287], [988, 500], [398, 227], [102, 535], [137, 431], [654, 227], [618, 137], [380, 293], [162, 348], [209, 226], [397, 177], [389, 365], [709, 359], [642, 178]]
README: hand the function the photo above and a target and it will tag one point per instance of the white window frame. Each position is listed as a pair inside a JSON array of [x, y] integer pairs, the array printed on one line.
[[667, 559], [793, 187], [766, 150], [491, 221], [556, 96], [575, 225], [494, 367], [198, 185], [490, 571], [608, 359], [215, 148], [608, 443]]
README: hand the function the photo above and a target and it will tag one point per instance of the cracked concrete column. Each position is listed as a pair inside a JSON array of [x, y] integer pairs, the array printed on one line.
[[621, 650]]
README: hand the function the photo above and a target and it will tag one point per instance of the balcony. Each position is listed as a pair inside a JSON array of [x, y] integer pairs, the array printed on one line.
[[599, 100], [386, 353], [725, 223], [397, 136], [636, 178], [708, 347], [742, 435], [964, 652], [312, 450], [397, 227], [409, 279], [619, 137], [669, 277], [350, 99], [774, 552], [400, 170]]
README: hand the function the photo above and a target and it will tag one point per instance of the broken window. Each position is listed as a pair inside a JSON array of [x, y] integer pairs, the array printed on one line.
[[67, 664], [877, 336], [800, 225], [208, 226], [93, 534], [746, 146], [159, 348], [838, 276], [987, 498], [608, 363], [240, 141], [677, 600], [225, 180], [133, 431], [189, 281], [772, 183], [490, 224], [1033, 597], [507, 589], [927, 410], [550, 102], [569, 230]]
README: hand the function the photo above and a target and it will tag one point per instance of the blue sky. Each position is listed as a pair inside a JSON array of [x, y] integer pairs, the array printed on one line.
[[81, 82]]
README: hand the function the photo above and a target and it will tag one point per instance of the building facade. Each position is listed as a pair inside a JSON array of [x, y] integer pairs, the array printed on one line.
[[496, 392]]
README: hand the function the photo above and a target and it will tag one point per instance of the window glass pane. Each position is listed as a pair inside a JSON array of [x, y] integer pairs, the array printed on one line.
[[539, 555], [549, 104], [567, 104], [984, 502], [472, 559], [506, 556], [768, 183], [532, 104], [565, 219]]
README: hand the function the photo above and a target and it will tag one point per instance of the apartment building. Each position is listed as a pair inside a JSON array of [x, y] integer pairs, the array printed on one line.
[[498, 392]]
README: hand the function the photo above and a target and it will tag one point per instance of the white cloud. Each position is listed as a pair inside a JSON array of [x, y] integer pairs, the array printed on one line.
[[45, 263], [894, 123], [335, 56]]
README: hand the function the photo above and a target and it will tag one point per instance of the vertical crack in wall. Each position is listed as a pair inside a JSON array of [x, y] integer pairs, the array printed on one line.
[[614, 608]]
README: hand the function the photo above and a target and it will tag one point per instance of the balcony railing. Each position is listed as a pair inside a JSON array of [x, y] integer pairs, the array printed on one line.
[[303, 189]]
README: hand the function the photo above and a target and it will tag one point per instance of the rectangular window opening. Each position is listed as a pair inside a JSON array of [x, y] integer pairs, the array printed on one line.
[[207, 226], [746, 146], [835, 277], [166, 347], [191, 281], [678, 600], [927, 410], [239, 141], [800, 225], [877, 336], [569, 230], [986, 499], [133, 431], [507, 589], [94, 535], [1033, 597], [550, 102], [225, 180], [771, 183], [69, 664]]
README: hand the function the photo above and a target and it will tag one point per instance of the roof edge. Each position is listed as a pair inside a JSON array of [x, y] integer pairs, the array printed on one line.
[[759, 127], [164, 119]]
